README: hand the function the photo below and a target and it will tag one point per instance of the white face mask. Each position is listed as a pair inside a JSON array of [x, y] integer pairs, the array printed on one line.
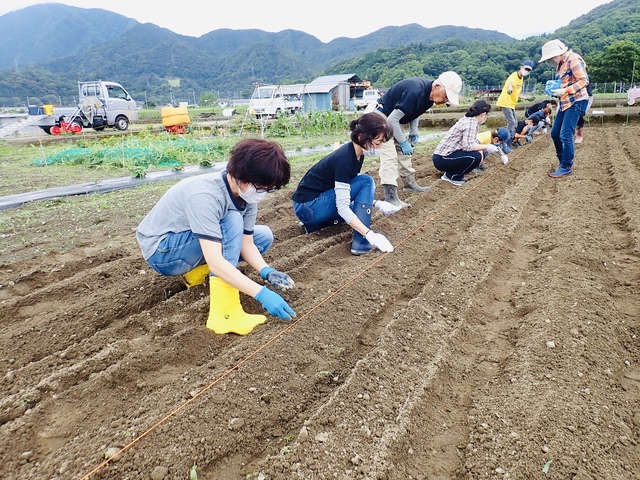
[[251, 195], [371, 152], [525, 72]]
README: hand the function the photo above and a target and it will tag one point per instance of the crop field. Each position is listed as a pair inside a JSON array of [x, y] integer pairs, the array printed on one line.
[[499, 340]]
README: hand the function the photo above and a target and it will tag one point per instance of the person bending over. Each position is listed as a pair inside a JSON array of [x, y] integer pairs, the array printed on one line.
[[402, 105], [499, 138]]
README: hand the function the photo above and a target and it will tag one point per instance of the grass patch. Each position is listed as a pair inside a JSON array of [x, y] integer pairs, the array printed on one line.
[[94, 220]]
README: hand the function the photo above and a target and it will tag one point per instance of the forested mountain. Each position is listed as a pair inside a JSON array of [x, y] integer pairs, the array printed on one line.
[[489, 63], [156, 64], [602, 26], [51, 30], [153, 62]]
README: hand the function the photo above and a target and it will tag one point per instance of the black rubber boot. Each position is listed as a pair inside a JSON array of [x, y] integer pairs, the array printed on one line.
[[391, 196], [411, 185], [360, 245]]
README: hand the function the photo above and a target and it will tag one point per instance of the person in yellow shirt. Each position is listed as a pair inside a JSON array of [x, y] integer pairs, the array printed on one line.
[[511, 93], [498, 137]]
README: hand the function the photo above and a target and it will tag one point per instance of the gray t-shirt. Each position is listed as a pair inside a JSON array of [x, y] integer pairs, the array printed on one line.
[[198, 204]]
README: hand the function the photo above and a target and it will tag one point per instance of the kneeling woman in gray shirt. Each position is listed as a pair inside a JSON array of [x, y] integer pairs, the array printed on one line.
[[204, 225]]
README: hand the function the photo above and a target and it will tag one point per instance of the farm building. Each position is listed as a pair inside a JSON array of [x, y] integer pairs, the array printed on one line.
[[327, 92]]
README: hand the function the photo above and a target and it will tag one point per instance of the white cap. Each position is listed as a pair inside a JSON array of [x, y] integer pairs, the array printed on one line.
[[452, 83], [551, 49]]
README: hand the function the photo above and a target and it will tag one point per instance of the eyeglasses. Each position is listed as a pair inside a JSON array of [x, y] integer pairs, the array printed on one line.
[[265, 189], [527, 69]]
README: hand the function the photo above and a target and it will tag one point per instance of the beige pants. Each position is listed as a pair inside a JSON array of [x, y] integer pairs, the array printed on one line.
[[393, 162]]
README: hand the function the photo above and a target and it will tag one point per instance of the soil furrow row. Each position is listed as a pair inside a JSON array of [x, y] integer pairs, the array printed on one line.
[[571, 444], [501, 335], [411, 350]]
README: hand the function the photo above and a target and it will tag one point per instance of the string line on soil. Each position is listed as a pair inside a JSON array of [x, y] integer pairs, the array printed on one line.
[[340, 289]]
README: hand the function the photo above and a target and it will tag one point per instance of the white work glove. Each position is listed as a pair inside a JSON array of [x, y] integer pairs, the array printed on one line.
[[379, 241], [509, 91], [558, 92], [504, 159], [491, 148], [386, 207]]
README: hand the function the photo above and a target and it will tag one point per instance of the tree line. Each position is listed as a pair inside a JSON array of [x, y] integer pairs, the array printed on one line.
[[608, 38]]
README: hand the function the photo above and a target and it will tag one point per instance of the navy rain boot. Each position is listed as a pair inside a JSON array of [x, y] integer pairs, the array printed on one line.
[[312, 227], [562, 171], [360, 245]]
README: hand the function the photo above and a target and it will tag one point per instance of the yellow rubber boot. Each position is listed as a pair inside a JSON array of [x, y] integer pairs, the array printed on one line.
[[225, 311], [196, 276]]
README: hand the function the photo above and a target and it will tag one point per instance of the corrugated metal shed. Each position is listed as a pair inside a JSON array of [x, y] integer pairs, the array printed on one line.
[[324, 92], [345, 77], [304, 88]]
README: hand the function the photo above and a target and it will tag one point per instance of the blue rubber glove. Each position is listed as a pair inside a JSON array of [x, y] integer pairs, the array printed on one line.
[[275, 304], [277, 279], [406, 148], [552, 85], [413, 139]]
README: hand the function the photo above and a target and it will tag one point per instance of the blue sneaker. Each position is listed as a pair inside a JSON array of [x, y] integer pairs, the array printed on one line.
[[561, 172]]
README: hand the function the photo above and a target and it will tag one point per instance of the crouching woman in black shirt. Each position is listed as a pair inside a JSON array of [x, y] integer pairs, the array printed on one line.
[[334, 191]]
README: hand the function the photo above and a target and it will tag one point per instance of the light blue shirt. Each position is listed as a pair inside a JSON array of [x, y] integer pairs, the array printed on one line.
[[198, 204]]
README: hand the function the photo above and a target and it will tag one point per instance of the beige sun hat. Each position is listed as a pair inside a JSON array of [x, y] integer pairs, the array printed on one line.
[[551, 49]]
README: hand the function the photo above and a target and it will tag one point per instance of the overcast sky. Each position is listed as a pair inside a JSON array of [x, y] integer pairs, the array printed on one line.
[[329, 19]]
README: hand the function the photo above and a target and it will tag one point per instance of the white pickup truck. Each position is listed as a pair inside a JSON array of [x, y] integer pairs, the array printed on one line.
[[101, 104], [272, 101], [368, 96]]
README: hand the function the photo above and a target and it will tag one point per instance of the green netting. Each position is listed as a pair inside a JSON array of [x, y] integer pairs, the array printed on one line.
[[144, 153], [110, 156]]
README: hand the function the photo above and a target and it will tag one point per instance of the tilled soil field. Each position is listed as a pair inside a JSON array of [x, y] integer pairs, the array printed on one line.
[[499, 340]]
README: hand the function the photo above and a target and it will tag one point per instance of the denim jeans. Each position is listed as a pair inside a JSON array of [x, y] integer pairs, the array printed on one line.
[[534, 128], [564, 127], [179, 253], [322, 210]]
